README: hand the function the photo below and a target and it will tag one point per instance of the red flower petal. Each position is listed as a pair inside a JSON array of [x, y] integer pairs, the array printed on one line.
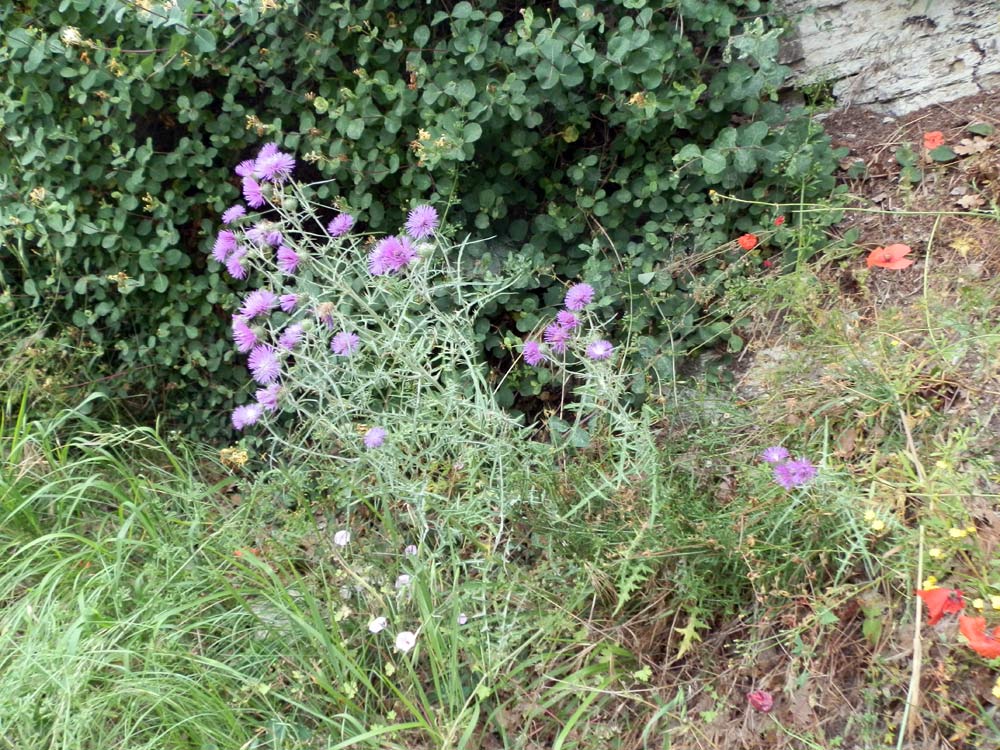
[[890, 256], [933, 139], [747, 241], [983, 643], [940, 602]]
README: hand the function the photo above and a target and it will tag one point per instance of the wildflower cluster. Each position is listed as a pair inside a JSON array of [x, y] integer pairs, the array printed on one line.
[[789, 472], [340, 331], [566, 330], [947, 601]]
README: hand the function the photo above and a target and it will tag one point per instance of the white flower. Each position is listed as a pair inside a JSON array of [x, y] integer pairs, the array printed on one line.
[[406, 640], [377, 625], [70, 36], [403, 580], [410, 550], [342, 537], [462, 618]]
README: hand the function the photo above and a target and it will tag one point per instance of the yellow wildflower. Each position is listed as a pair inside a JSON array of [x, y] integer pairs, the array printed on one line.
[[979, 604], [957, 533], [930, 583], [936, 553]]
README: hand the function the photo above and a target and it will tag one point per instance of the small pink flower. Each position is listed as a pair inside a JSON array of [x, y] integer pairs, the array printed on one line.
[[761, 700]]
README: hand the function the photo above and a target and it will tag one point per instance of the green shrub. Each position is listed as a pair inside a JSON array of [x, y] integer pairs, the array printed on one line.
[[586, 137]]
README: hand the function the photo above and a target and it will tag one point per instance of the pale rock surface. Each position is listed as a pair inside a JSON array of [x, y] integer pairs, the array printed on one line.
[[895, 56]]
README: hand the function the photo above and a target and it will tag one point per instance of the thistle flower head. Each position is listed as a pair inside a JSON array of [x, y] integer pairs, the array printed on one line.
[[225, 243], [291, 336], [252, 193], [235, 264], [579, 296], [556, 337], [288, 260], [273, 165], [794, 473], [391, 255], [422, 222], [340, 225], [775, 454], [532, 353], [245, 168], [268, 397], [246, 415], [233, 213], [244, 336], [374, 438], [600, 349], [265, 364], [345, 343], [258, 302], [567, 320]]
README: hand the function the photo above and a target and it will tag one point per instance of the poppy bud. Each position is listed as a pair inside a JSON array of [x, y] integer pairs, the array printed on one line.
[[761, 700]]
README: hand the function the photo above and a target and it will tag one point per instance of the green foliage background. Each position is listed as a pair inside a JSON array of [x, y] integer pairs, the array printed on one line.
[[586, 136]]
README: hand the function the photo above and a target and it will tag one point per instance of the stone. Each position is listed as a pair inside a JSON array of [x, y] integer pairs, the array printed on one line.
[[894, 56]]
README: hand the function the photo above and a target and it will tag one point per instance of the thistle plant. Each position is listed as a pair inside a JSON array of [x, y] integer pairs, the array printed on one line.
[[356, 346], [590, 369]]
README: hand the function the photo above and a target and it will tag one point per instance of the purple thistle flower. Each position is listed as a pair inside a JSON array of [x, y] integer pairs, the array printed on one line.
[[291, 336], [234, 264], [257, 234], [233, 213], [268, 397], [245, 168], [264, 364], [225, 243], [244, 336], [288, 260], [579, 296], [556, 337], [422, 222], [345, 344], [274, 167], [340, 224], [802, 470], [794, 473], [274, 238], [252, 192], [775, 454], [390, 255], [600, 349], [374, 438], [532, 353], [378, 265], [258, 302], [246, 415], [288, 302], [268, 150], [567, 320]]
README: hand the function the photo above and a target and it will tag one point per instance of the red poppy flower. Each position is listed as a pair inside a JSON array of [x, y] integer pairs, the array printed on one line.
[[748, 241], [779, 221], [890, 256], [983, 643], [941, 602], [768, 263], [933, 139], [761, 700]]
